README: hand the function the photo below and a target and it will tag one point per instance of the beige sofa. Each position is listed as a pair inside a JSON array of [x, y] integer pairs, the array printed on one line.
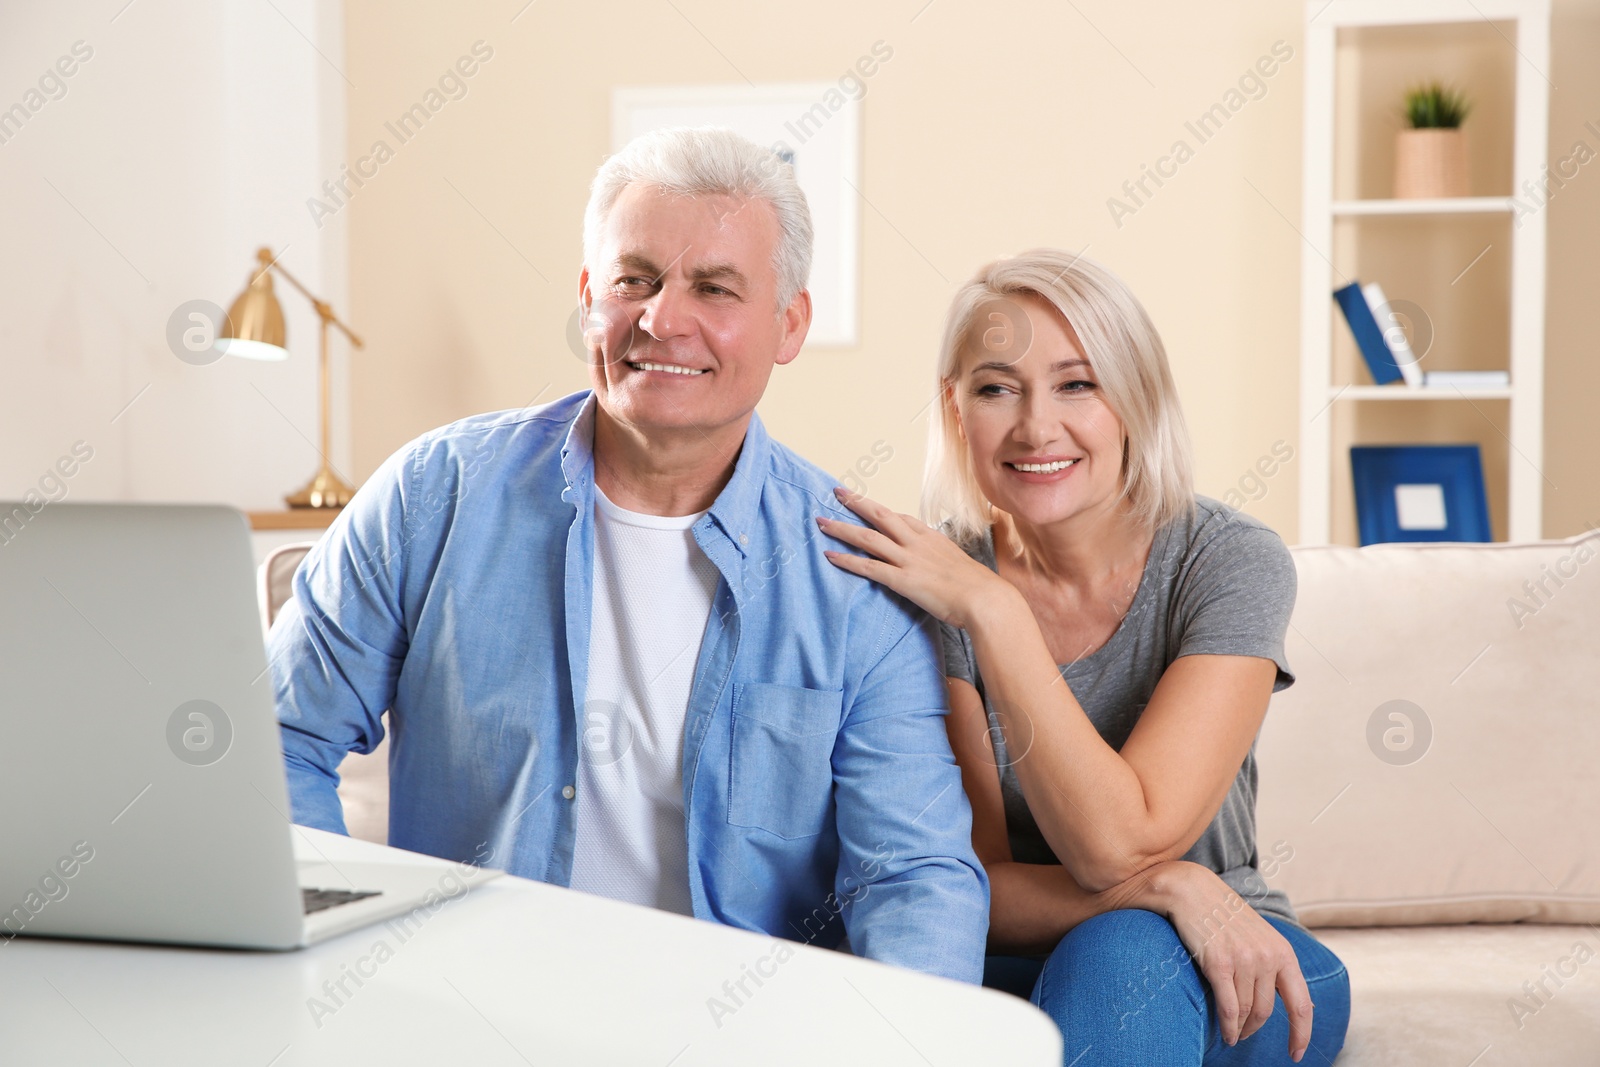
[[1431, 786], [1450, 855]]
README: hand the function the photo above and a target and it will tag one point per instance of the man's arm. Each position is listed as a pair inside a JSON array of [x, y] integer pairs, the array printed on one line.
[[917, 896], [336, 649]]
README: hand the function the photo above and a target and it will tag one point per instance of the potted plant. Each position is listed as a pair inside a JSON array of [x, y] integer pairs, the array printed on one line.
[[1430, 157]]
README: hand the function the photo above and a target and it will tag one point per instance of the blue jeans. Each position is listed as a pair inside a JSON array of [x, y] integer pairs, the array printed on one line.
[[1124, 990]]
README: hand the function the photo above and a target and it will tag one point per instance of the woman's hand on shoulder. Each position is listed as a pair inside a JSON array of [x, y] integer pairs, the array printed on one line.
[[913, 559], [1243, 957]]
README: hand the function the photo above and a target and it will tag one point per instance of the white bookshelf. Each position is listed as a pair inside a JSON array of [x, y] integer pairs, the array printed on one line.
[[1319, 392], [1425, 392]]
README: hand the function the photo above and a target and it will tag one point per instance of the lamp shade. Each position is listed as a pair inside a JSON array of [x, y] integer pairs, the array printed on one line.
[[254, 329]]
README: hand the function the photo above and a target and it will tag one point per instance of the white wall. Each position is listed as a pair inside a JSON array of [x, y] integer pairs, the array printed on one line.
[[192, 134]]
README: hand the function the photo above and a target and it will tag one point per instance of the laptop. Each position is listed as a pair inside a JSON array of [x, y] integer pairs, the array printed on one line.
[[142, 787]]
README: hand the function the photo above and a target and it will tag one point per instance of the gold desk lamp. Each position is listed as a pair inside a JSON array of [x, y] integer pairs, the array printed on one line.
[[255, 330]]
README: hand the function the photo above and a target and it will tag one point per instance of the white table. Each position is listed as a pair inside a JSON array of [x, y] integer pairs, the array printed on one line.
[[515, 972]]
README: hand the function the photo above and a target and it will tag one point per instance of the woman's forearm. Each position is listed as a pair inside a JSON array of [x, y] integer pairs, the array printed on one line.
[[1033, 905], [1096, 818]]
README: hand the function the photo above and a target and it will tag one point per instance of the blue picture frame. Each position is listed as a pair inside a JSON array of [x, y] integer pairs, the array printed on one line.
[[1419, 493]]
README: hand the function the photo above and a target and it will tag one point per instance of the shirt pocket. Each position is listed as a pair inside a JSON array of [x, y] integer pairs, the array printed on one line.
[[781, 777]]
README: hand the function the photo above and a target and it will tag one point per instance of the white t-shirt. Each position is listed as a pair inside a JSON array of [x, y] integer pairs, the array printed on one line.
[[653, 590]]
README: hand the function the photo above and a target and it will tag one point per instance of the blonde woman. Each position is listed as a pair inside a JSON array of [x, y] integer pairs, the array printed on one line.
[[1111, 641]]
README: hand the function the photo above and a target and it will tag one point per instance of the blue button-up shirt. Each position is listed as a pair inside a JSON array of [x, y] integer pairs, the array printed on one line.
[[819, 789]]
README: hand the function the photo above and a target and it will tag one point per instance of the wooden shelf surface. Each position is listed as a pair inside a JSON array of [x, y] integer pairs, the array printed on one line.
[[294, 519]]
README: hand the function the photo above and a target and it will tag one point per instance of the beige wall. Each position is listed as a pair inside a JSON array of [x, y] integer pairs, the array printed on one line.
[[992, 128]]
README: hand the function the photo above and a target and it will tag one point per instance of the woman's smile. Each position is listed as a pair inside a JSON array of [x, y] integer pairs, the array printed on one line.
[[1041, 470]]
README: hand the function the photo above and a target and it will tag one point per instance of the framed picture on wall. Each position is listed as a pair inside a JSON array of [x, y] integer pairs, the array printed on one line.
[[815, 127], [1419, 493]]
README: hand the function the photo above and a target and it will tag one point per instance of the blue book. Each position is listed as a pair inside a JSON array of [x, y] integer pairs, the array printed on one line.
[[1419, 493], [1369, 337]]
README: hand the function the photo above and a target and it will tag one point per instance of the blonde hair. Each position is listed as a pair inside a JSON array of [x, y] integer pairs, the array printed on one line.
[[1129, 362]]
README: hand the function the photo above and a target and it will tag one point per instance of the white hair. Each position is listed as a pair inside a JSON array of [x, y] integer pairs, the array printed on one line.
[[710, 160], [1128, 359]]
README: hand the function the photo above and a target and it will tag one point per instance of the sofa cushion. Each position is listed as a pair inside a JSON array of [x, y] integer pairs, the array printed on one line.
[[1436, 761], [1487, 996]]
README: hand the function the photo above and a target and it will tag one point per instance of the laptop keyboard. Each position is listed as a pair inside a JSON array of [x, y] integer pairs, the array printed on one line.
[[315, 900]]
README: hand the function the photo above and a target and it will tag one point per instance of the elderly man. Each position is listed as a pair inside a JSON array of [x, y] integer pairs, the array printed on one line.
[[604, 629]]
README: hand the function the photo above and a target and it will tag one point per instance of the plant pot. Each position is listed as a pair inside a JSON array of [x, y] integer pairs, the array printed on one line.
[[1430, 163]]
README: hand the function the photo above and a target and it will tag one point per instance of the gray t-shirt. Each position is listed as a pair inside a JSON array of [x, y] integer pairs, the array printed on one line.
[[1216, 583]]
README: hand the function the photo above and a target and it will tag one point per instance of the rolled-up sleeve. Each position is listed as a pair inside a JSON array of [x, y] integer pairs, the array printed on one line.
[[335, 651], [917, 895]]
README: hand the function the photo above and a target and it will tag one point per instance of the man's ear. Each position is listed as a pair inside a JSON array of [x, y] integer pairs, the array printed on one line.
[[796, 320], [585, 297]]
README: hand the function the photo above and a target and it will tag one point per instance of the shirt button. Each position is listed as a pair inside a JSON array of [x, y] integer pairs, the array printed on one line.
[[744, 539], [568, 792]]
